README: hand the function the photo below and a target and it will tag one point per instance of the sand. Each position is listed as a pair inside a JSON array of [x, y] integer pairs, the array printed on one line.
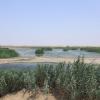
[[27, 96], [47, 59]]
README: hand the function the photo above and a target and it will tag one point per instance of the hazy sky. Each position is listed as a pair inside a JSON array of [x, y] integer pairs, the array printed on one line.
[[50, 22]]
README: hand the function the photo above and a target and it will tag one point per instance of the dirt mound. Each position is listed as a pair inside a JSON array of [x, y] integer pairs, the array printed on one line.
[[26, 96]]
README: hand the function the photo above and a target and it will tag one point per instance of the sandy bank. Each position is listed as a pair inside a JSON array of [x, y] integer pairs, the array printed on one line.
[[47, 59], [27, 96]]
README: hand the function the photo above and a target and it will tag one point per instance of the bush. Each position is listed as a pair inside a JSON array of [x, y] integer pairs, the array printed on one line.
[[39, 52], [77, 81], [73, 81], [13, 81], [7, 53]]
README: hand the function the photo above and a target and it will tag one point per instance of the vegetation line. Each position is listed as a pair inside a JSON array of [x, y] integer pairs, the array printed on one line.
[[73, 81]]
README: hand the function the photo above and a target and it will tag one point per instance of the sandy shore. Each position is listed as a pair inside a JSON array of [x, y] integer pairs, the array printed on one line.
[[47, 59]]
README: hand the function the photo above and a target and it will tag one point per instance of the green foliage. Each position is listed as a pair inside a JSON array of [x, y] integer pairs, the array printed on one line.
[[91, 49], [7, 53], [13, 81], [77, 81], [73, 81], [39, 52], [70, 48]]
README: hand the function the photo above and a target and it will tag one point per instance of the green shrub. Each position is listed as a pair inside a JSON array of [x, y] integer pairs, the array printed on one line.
[[73, 81], [39, 52], [13, 81], [7, 53]]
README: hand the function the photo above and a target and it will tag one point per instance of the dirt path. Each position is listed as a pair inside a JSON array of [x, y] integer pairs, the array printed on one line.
[[47, 59]]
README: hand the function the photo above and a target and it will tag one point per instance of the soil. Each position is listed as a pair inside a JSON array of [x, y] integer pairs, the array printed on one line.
[[27, 96]]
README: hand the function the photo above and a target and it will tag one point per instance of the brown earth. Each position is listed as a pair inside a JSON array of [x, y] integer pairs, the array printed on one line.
[[27, 96]]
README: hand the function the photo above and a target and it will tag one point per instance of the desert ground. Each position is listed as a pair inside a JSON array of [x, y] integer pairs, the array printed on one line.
[[27, 96]]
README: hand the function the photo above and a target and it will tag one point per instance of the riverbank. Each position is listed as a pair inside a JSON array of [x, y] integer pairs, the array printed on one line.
[[46, 59]]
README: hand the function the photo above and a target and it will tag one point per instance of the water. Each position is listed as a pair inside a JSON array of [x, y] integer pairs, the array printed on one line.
[[21, 65], [25, 52], [30, 52], [18, 66]]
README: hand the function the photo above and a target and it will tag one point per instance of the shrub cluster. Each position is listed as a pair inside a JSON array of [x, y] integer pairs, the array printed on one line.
[[15, 80], [91, 49], [73, 81], [39, 52], [77, 81], [7, 53]]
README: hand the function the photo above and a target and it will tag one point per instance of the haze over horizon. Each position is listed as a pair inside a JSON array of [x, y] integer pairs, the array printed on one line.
[[50, 22]]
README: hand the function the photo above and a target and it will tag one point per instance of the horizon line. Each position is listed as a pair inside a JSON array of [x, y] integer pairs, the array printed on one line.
[[49, 45]]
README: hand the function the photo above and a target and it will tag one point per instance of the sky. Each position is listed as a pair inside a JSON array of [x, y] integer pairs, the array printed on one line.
[[50, 22]]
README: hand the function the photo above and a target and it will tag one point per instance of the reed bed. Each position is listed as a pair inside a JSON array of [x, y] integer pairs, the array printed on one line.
[[91, 49], [73, 81], [88, 49]]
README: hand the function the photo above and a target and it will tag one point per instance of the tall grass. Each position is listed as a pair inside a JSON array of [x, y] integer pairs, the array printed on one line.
[[77, 81], [73, 81], [15, 80], [7, 53]]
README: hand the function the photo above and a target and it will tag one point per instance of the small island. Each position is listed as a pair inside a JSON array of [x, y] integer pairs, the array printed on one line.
[[39, 52]]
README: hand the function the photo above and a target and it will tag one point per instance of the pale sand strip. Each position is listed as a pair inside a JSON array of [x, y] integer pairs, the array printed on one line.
[[47, 59], [27, 96]]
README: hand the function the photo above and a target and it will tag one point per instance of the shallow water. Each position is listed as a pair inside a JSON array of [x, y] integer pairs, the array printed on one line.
[[21, 65], [18, 66], [30, 52]]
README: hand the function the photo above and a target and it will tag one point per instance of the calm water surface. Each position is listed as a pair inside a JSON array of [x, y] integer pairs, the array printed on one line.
[[29, 52]]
